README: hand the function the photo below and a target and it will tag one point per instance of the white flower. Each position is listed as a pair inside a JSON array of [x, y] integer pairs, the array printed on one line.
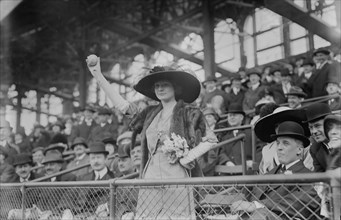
[[174, 147]]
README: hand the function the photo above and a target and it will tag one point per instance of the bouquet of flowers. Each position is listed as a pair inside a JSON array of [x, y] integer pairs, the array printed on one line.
[[175, 147]]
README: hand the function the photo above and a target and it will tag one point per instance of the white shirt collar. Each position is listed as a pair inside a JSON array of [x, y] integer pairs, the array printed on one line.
[[81, 157], [53, 179], [308, 75], [101, 173], [25, 180], [235, 90], [103, 124], [291, 164]]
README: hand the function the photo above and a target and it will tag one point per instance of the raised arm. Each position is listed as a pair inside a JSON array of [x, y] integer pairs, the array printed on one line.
[[118, 101]]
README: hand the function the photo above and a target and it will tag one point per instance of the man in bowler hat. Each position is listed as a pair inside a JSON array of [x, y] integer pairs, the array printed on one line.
[[319, 150], [79, 146], [23, 164], [230, 154], [271, 202], [88, 200]]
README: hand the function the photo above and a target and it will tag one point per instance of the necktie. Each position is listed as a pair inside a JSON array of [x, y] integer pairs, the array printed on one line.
[[283, 169]]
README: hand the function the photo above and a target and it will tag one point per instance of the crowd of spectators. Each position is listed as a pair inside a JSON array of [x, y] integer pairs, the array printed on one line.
[[99, 136]]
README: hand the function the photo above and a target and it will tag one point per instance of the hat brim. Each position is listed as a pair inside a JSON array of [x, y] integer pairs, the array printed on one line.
[[299, 94], [80, 143], [23, 162], [190, 84], [236, 112], [265, 127], [318, 117], [326, 52], [53, 160], [99, 152], [302, 138]]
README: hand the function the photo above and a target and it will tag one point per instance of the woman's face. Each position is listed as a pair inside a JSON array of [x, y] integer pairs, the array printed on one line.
[[334, 134], [164, 90]]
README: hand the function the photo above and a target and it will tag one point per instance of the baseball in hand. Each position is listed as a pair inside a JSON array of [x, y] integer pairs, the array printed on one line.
[[92, 60]]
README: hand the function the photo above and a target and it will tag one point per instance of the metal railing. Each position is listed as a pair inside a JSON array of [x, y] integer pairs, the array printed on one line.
[[287, 196]]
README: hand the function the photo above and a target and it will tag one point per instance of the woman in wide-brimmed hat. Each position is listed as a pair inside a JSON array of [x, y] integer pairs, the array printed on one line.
[[174, 90]]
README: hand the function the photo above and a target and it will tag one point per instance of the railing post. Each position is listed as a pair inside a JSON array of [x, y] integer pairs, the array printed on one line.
[[23, 203], [242, 145], [112, 205], [336, 197]]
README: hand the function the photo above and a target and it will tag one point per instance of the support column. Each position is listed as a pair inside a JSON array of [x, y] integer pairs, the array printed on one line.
[[338, 13], [208, 39], [38, 107], [19, 108], [286, 37]]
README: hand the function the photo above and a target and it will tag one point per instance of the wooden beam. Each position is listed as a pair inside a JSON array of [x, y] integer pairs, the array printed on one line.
[[162, 44], [302, 17], [47, 91]]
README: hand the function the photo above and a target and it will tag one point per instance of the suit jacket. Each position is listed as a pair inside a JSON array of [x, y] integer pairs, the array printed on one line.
[[335, 104], [51, 198], [32, 177], [11, 152], [251, 97], [233, 98], [278, 92], [319, 152], [7, 173], [98, 133], [278, 197], [232, 152], [317, 82], [87, 200], [82, 130]]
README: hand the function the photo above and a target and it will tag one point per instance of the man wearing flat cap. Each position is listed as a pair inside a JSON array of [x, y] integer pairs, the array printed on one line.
[[79, 147], [325, 70], [271, 202], [319, 150]]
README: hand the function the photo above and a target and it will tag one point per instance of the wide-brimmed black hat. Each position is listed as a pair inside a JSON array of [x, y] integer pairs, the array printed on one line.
[[266, 126], [334, 118], [23, 158], [316, 111], [291, 129], [189, 84], [321, 50], [235, 108], [79, 141], [296, 91], [98, 148], [53, 157], [109, 140]]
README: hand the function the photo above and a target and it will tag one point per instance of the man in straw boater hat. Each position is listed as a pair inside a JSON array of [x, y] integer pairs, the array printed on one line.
[[295, 97], [268, 125], [319, 150], [272, 202]]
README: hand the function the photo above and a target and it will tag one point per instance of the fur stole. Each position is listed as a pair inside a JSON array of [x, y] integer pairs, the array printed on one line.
[[187, 121]]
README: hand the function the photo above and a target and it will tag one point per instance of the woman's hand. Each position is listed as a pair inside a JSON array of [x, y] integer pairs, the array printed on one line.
[[94, 69]]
